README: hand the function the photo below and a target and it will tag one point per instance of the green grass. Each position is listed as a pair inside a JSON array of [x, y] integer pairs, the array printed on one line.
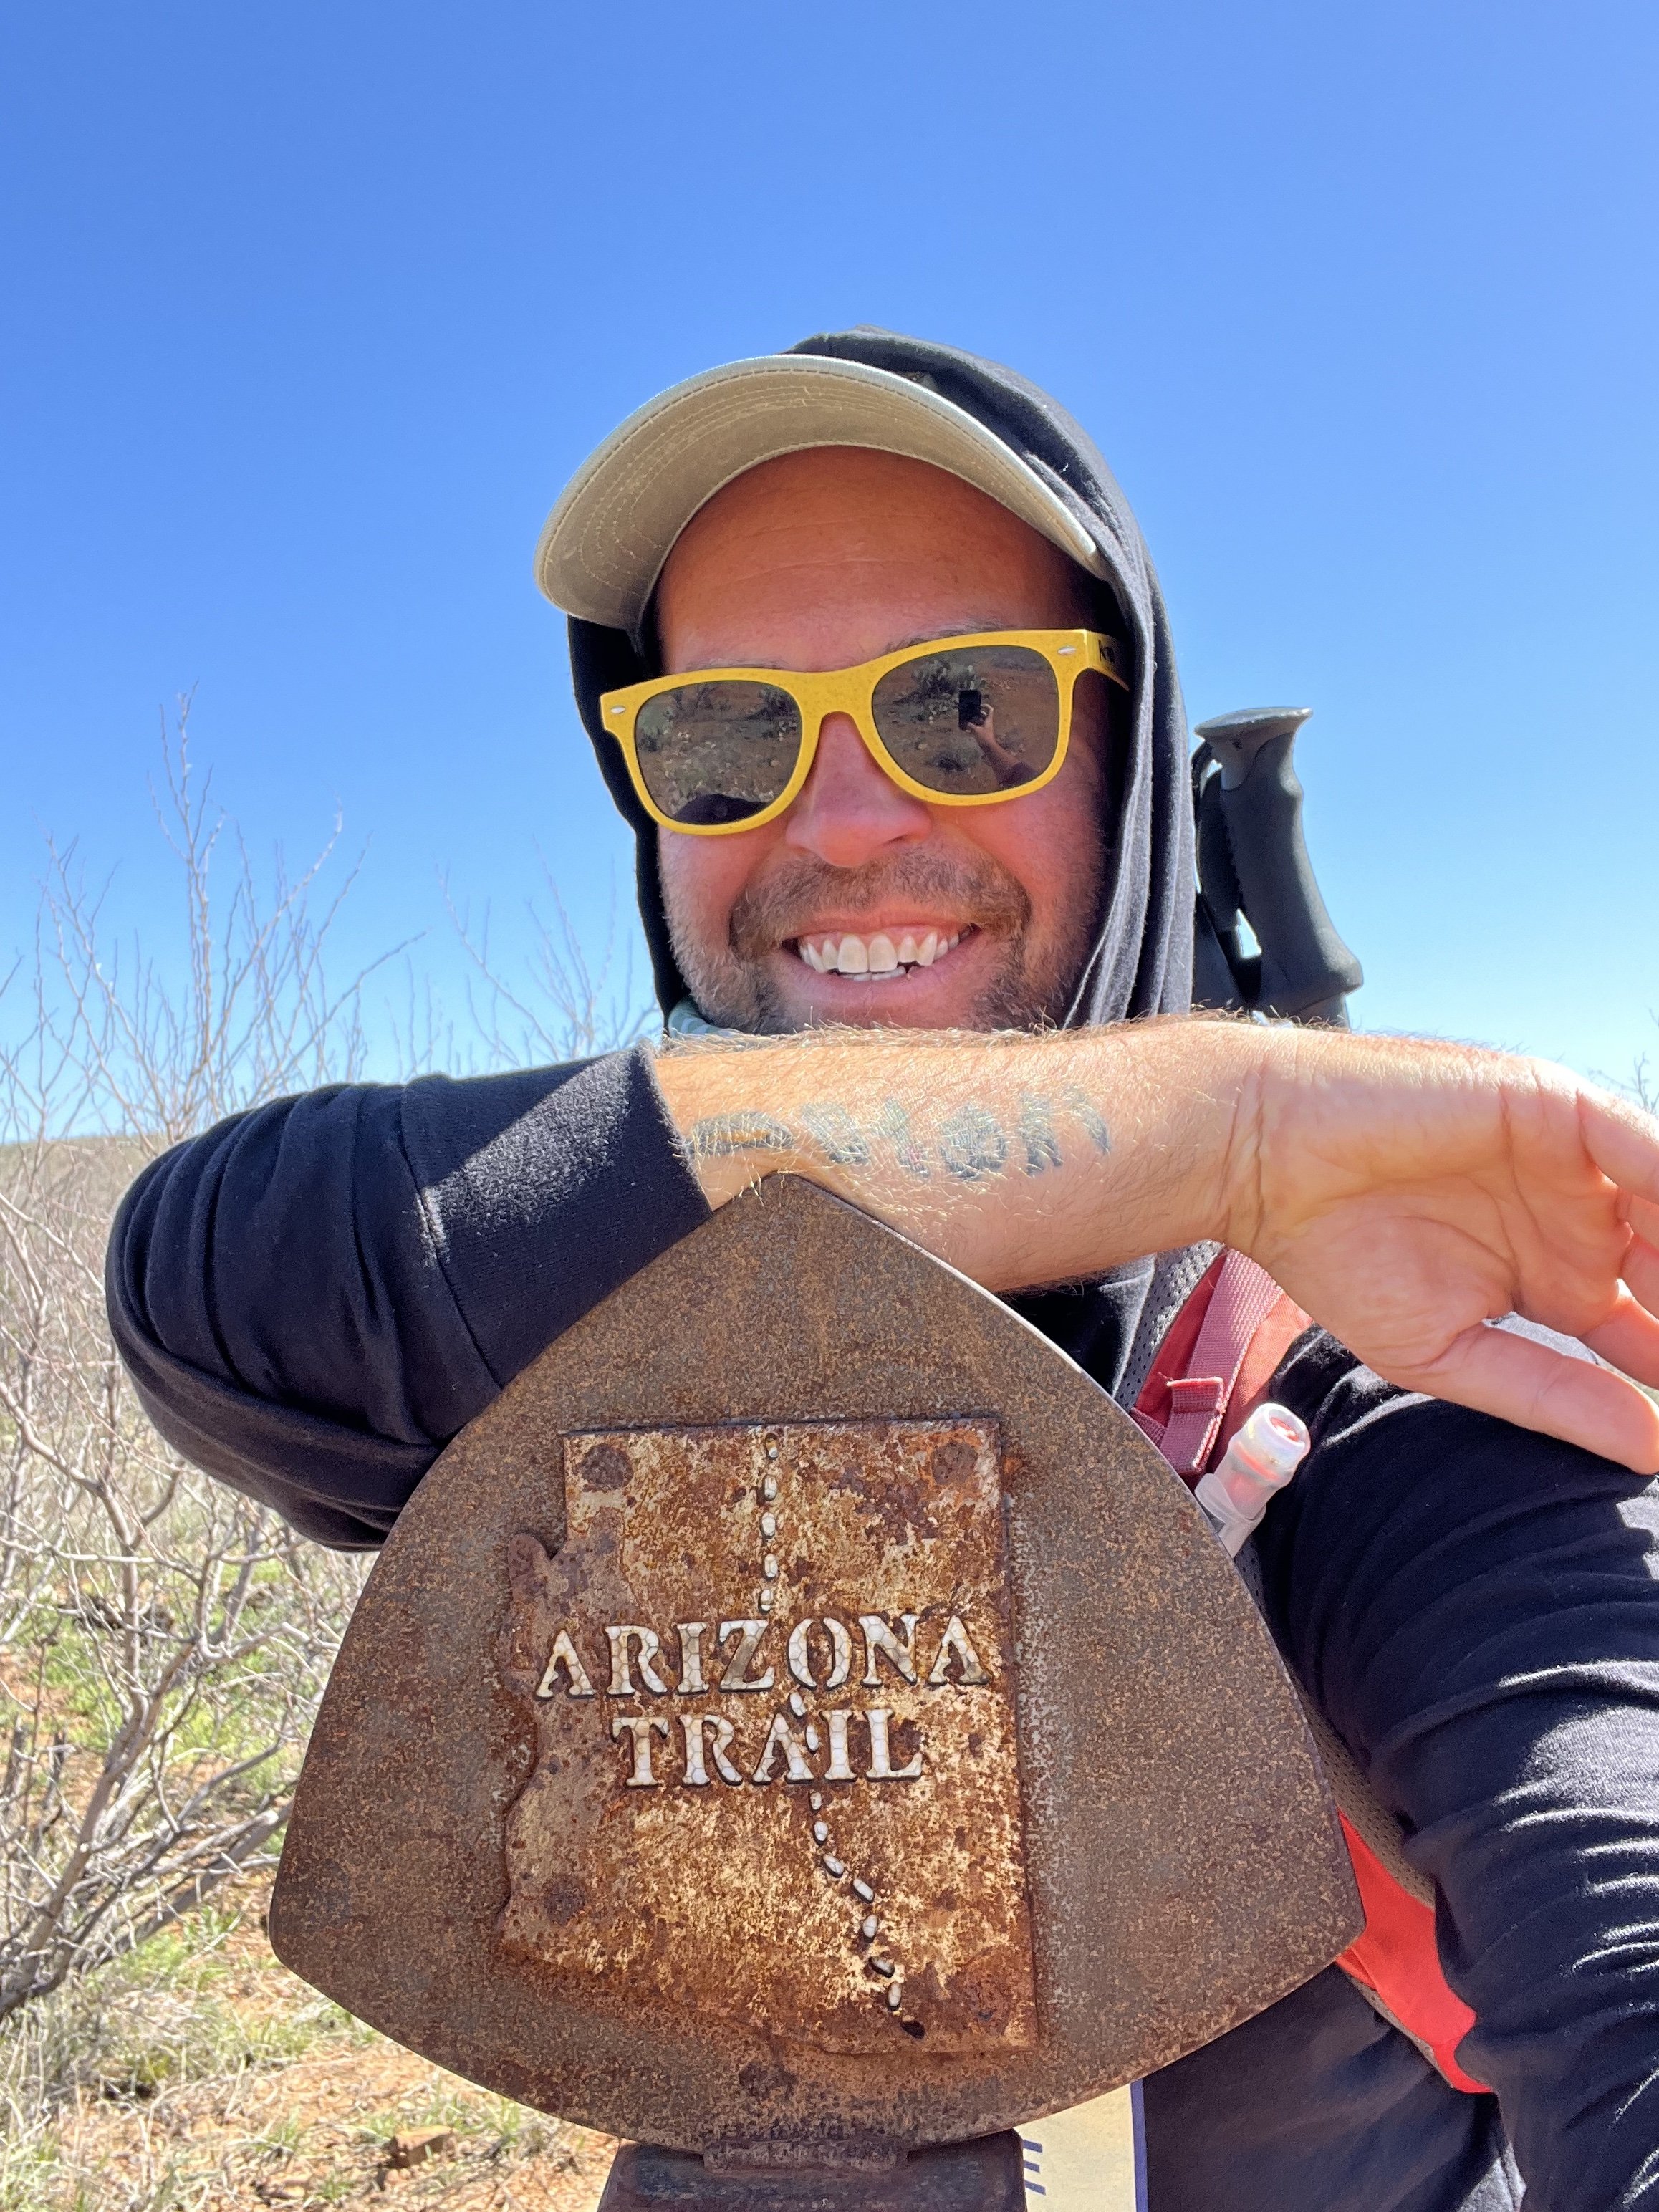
[[161, 2016], [135, 2090], [173, 2013]]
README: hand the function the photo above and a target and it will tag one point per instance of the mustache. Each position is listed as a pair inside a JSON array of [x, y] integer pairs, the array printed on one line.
[[979, 888]]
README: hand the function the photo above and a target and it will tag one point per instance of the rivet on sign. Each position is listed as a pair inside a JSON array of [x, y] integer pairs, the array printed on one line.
[[864, 1890], [820, 1833], [818, 1801], [833, 1867], [871, 1929], [882, 1967], [769, 1526], [769, 1488], [771, 1451], [771, 1569], [895, 1998], [765, 1600]]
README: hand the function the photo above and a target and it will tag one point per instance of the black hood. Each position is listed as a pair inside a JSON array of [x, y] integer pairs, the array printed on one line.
[[1142, 959]]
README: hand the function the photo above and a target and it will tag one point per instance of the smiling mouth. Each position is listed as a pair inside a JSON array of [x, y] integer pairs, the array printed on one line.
[[879, 957]]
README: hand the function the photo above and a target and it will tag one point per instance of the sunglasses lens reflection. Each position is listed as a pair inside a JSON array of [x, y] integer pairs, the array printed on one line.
[[966, 721], [971, 721], [713, 754]]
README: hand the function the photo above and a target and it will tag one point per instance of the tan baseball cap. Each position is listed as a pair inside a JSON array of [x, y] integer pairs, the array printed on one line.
[[604, 546]]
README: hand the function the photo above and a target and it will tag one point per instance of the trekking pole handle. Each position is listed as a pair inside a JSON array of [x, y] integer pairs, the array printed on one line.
[[1306, 969]]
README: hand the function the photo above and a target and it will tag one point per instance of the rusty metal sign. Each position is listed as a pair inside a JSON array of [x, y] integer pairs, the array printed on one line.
[[799, 1722], [772, 1682]]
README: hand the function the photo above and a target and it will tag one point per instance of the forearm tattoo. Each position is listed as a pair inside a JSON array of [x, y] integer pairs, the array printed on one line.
[[971, 1142]]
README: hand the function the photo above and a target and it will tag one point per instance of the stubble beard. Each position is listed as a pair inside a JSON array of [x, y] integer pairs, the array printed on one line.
[[1031, 985]]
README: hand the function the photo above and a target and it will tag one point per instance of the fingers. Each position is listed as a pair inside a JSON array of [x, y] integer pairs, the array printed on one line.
[[1624, 1143], [1630, 1339], [1641, 1272], [1520, 1381]]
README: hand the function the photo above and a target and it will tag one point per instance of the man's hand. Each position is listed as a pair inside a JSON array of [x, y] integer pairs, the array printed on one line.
[[1408, 1194], [1404, 1194]]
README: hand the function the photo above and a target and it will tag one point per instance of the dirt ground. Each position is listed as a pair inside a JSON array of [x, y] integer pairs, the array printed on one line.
[[332, 2126], [323, 2132], [214, 2080]]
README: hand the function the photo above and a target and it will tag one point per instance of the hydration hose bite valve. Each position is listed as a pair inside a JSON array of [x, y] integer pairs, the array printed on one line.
[[1257, 1464]]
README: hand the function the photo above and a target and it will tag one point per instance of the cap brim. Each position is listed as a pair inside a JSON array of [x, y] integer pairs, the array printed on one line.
[[614, 524]]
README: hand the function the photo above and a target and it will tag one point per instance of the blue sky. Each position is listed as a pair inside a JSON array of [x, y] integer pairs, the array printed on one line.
[[310, 310]]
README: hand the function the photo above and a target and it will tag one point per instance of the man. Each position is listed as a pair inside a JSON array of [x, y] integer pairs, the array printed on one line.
[[874, 662]]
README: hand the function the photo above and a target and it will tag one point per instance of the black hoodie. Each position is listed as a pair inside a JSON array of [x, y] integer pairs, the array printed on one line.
[[1142, 958], [314, 1298]]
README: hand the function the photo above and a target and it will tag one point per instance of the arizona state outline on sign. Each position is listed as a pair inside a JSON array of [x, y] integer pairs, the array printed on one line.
[[771, 1672]]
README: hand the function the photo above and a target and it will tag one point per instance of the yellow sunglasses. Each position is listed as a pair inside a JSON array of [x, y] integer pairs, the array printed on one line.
[[958, 722]]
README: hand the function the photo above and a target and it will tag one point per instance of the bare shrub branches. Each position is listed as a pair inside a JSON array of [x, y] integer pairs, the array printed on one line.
[[120, 1042], [573, 1004], [163, 1641], [1643, 1086]]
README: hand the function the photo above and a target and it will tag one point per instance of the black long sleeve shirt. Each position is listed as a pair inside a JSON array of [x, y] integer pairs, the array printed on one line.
[[315, 1296]]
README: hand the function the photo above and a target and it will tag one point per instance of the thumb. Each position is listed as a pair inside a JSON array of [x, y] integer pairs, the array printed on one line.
[[1494, 1371]]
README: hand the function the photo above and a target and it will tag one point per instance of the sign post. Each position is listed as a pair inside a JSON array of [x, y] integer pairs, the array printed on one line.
[[804, 1728]]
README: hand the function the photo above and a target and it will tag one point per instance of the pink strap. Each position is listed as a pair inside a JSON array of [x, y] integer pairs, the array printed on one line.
[[1244, 1297]]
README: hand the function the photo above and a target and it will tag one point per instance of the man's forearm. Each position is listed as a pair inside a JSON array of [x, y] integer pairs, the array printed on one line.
[[1022, 1160], [1404, 1192]]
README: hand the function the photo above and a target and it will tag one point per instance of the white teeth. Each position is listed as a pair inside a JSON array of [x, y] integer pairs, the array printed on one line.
[[881, 957]]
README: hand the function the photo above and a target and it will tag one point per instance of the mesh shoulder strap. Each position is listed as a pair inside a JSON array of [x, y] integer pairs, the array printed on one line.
[[1175, 1276]]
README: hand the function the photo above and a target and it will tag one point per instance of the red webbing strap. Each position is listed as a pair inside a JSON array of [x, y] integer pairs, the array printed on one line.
[[1243, 1296]]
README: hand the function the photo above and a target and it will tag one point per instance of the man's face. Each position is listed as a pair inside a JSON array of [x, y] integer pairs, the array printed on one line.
[[822, 560]]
